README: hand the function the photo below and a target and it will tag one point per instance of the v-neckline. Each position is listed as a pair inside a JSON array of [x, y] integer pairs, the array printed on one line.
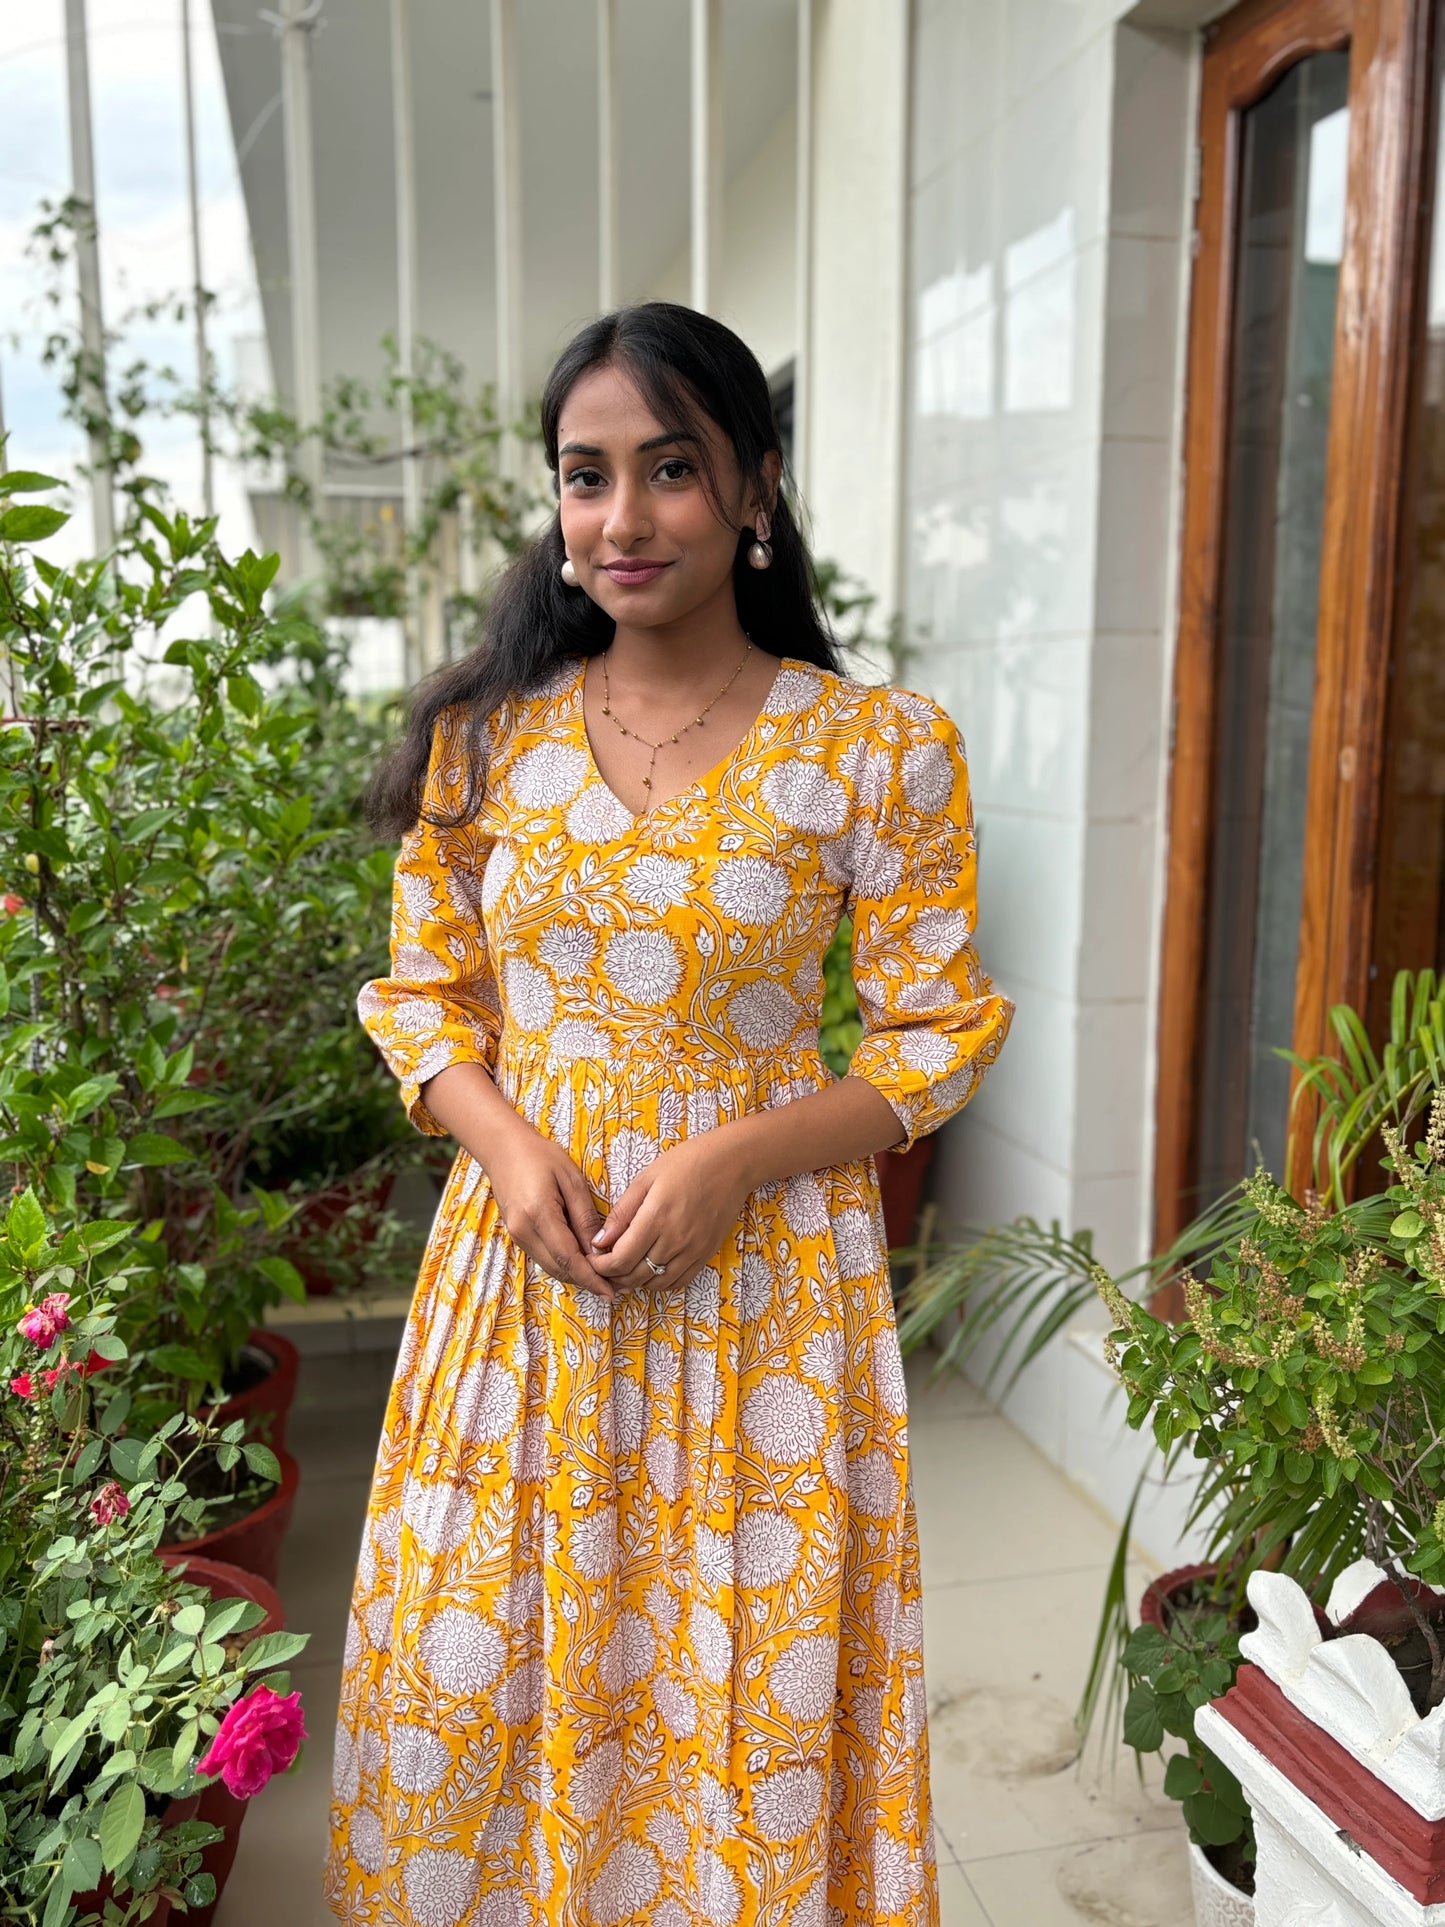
[[709, 778]]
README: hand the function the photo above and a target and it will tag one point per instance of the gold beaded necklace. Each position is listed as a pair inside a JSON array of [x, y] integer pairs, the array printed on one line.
[[696, 722]]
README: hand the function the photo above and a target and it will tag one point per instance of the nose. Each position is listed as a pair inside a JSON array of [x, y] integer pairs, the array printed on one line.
[[628, 521]]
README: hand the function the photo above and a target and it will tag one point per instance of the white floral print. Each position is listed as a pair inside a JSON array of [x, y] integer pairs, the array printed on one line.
[[635, 1640]]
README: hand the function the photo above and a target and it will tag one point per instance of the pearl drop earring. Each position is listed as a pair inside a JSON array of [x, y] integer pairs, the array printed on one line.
[[568, 573], [760, 555]]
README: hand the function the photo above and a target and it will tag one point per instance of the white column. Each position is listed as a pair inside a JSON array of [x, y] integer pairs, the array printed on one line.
[[707, 154], [296, 23], [198, 290], [87, 260], [407, 298], [803, 301], [507, 195], [607, 193]]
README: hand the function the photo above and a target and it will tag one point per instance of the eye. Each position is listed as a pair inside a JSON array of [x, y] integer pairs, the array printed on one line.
[[588, 477], [676, 463]]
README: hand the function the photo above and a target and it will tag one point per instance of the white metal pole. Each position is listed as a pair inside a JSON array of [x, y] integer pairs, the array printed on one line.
[[297, 21], [803, 322], [707, 154], [87, 260], [198, 289], [608, 210], [507, 192], [407, 299]]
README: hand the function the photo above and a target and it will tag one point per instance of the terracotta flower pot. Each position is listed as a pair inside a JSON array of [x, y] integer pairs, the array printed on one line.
[[218, 1806], [1345, 1778], [900, 1181], [266, 1405], [94, 1901], [253, 1542]]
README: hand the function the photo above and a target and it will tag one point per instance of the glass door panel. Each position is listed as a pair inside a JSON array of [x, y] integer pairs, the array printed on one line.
[[1290, 232]]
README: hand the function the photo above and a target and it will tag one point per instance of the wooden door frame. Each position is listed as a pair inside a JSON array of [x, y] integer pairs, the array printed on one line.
[[1245, 54]]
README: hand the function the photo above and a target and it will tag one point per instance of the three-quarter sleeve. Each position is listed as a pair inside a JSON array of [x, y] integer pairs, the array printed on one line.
[[932, 1020], [439, 1006]]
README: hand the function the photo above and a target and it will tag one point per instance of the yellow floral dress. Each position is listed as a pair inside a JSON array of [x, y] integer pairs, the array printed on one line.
[[636, 1632]]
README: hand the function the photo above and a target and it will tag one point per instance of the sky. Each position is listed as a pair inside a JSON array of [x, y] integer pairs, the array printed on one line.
[[137, 94]]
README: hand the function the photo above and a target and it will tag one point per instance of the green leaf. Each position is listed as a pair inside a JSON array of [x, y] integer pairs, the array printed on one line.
[[284, 1276], [121, 1825], [273, 1649], [26, 1224], [190, 1619], [1212, 1822], [152, 1147], [263, 1461], [82, 1861], [27, 481], [1183, 1777], [1407, 1227], [31, 523], [1143, 1721]]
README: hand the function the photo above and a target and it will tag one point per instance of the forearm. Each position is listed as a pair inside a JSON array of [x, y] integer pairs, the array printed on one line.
[[465, 1102], [849, 1121]]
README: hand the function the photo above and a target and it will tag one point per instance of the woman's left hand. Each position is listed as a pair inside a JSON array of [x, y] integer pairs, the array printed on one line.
[[678, 1212]]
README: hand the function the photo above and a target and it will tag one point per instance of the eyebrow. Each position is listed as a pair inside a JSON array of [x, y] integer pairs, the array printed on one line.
[[643, 448]]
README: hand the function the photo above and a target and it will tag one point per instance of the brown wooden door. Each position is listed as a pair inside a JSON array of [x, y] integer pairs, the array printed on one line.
[[1313, 122]]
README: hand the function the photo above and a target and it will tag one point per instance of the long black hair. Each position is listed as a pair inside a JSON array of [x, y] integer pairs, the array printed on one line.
[[687, 366]]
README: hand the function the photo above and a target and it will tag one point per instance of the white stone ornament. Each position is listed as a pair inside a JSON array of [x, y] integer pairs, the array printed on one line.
[[568, 573]]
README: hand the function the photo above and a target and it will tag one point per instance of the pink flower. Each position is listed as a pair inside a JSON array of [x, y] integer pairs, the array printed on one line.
[[11, 904], [259, 1736], [109, 1504], [23, 1385], [44, 1323]]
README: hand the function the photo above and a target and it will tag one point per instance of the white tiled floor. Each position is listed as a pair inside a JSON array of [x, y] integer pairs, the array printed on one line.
[[1014, 1563]]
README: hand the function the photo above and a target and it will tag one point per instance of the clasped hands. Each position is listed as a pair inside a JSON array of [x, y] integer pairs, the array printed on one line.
[[678, 1212]]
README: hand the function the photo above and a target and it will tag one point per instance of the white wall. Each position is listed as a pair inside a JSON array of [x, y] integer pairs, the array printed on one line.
[[1047, 290]]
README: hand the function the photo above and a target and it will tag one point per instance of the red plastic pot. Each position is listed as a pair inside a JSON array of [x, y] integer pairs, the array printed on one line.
[[323, 1212], [254, 1542], [900, 1180], [266, 1405], [94, 1901], [218, 1806]]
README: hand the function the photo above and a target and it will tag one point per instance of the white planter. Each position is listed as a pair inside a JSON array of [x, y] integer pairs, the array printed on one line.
[[1346, 1782], [1216, 1903]]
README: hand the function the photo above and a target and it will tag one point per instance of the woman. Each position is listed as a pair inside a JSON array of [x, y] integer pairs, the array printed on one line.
[[636, 1628]]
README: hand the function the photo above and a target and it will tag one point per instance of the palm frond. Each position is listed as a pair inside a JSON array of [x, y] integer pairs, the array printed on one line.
[[1018, 1278]]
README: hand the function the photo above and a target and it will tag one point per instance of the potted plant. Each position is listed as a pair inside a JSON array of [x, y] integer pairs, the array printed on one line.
[[1310, 1371], [1024, 1283], [116, 1671]]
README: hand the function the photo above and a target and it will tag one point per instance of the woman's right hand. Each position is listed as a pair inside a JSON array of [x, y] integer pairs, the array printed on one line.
[[545, 1203], [547, 1206]]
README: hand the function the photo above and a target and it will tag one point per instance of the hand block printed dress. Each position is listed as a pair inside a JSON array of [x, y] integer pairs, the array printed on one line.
[[636, 1632]]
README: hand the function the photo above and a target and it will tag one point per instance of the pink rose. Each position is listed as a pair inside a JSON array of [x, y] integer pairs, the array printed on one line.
[[109, 1504], [259, 1736], [44, 1323]]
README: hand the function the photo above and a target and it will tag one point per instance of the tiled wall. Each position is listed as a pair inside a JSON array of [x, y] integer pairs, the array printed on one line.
[[1048, 204]]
